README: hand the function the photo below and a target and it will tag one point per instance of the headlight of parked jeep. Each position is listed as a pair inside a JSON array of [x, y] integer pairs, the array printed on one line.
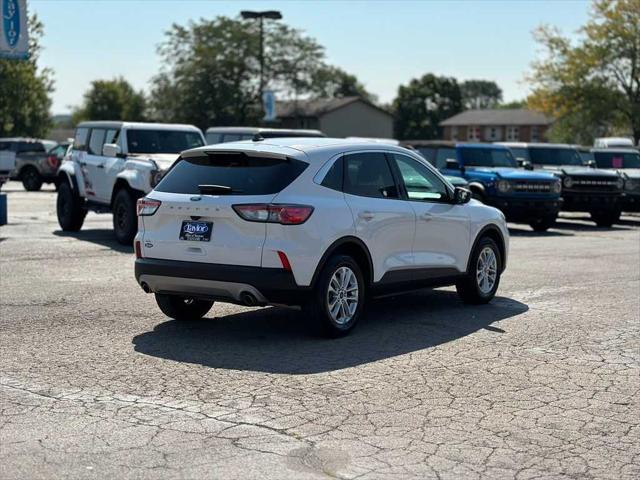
[[568, 182], [556, 187], [156, 176], [620, 183], [504, 186]]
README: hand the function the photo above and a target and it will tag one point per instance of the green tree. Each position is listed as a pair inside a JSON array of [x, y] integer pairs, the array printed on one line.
[[333, 82], [513, 104], [479, 94], [591, 87], [25, 90], [422, 104], [111, 100], [211, 73]]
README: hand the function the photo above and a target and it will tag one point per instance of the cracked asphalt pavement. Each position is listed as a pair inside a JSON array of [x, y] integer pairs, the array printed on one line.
[[96, 383]]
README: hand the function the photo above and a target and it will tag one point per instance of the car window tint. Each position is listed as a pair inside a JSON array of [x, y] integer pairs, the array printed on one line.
[[617, 159], [333, 178], [443, 155], [231, 137], [80, 139], [30, 147], [520, 153], [368, 175], [429, 153], [243, 174], [554, 156], [420, 182], [96, 141], [162, 141], [213, 138], [5, 145]]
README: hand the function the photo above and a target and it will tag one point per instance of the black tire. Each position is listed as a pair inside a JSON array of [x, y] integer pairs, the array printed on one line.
[[317, 310], [544, 223], [183, 308], [125, 220], [31, 179], [606, 218], [469, 288], [69, 208]]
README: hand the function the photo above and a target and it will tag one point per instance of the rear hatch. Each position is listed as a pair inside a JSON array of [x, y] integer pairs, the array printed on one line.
[[196, 221]]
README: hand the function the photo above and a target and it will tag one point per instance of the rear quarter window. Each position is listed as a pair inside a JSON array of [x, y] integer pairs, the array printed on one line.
[[244, 174]]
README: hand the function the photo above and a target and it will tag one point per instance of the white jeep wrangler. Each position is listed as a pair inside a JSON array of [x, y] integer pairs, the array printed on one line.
[[112, 164]]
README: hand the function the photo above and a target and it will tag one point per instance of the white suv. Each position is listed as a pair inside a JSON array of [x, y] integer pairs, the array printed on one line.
[[320, 223], [112, 164]]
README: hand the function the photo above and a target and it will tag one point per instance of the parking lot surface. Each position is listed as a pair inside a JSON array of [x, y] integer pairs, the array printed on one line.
[[96, 383]]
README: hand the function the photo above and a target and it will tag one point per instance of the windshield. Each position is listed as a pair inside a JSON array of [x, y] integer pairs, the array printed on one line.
[[520, 152], [487, 157], [617, 159], [554, 156], [162, 141]]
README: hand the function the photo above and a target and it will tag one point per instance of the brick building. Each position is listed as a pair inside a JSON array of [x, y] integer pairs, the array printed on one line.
[[336, 117], [500, 125]]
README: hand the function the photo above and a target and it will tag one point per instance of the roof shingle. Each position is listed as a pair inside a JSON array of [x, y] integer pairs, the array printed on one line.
[[516, 116]]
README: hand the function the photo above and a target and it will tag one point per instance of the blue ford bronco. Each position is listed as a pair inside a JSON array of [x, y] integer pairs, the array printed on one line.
[[494, 179]]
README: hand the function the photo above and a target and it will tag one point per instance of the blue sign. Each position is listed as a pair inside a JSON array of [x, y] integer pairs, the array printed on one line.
[[14, 41], [269, 105]]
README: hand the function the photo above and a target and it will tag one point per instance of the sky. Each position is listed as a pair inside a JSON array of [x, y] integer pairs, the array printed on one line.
[[384, 43]]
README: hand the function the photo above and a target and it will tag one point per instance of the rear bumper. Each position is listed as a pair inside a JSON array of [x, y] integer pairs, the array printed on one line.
[[227, 283], [588, 202], [520, 210]]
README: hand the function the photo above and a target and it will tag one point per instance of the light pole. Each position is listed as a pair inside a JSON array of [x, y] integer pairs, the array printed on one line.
[[260, 16]]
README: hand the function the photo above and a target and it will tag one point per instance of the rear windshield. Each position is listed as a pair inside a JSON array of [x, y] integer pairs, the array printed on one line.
[[243, 174], [617, 159], [162, 141], [487, 157], [554, 156]]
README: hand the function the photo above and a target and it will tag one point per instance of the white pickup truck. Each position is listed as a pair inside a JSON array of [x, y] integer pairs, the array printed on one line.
[[112, 164]]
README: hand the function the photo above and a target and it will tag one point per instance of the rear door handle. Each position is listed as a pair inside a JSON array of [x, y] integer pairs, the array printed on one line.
[[366, 215], [101, 165], [426, 216]]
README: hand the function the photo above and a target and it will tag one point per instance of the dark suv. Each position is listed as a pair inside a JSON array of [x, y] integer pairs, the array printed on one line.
[[627, 163], [584, 188], [494, 179]]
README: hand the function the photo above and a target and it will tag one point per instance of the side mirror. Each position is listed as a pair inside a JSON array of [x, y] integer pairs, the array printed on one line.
[[110, 150], [461, 195], [452, 164], [591, 163]]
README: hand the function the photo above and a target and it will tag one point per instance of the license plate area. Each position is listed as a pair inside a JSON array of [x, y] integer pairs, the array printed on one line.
[[196, 231]]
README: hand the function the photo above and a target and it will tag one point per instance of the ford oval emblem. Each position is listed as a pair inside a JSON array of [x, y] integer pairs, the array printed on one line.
[[196, 199]]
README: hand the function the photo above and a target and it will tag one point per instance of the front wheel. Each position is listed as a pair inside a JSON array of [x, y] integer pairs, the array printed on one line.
[[125, 220], [483, 274], [183, 308], [70, 209], [606, 218], [338, 298], [31, 179]]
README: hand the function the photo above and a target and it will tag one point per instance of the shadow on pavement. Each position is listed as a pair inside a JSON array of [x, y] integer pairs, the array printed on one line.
[[99, 236], [275, 340]]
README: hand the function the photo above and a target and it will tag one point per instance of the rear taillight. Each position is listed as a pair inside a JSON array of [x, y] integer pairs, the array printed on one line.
[[52, 160], [274, 213], [138, 249], [147, 206]]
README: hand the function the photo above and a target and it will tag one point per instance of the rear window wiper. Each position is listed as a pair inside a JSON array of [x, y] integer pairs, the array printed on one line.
[[217, 190]]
